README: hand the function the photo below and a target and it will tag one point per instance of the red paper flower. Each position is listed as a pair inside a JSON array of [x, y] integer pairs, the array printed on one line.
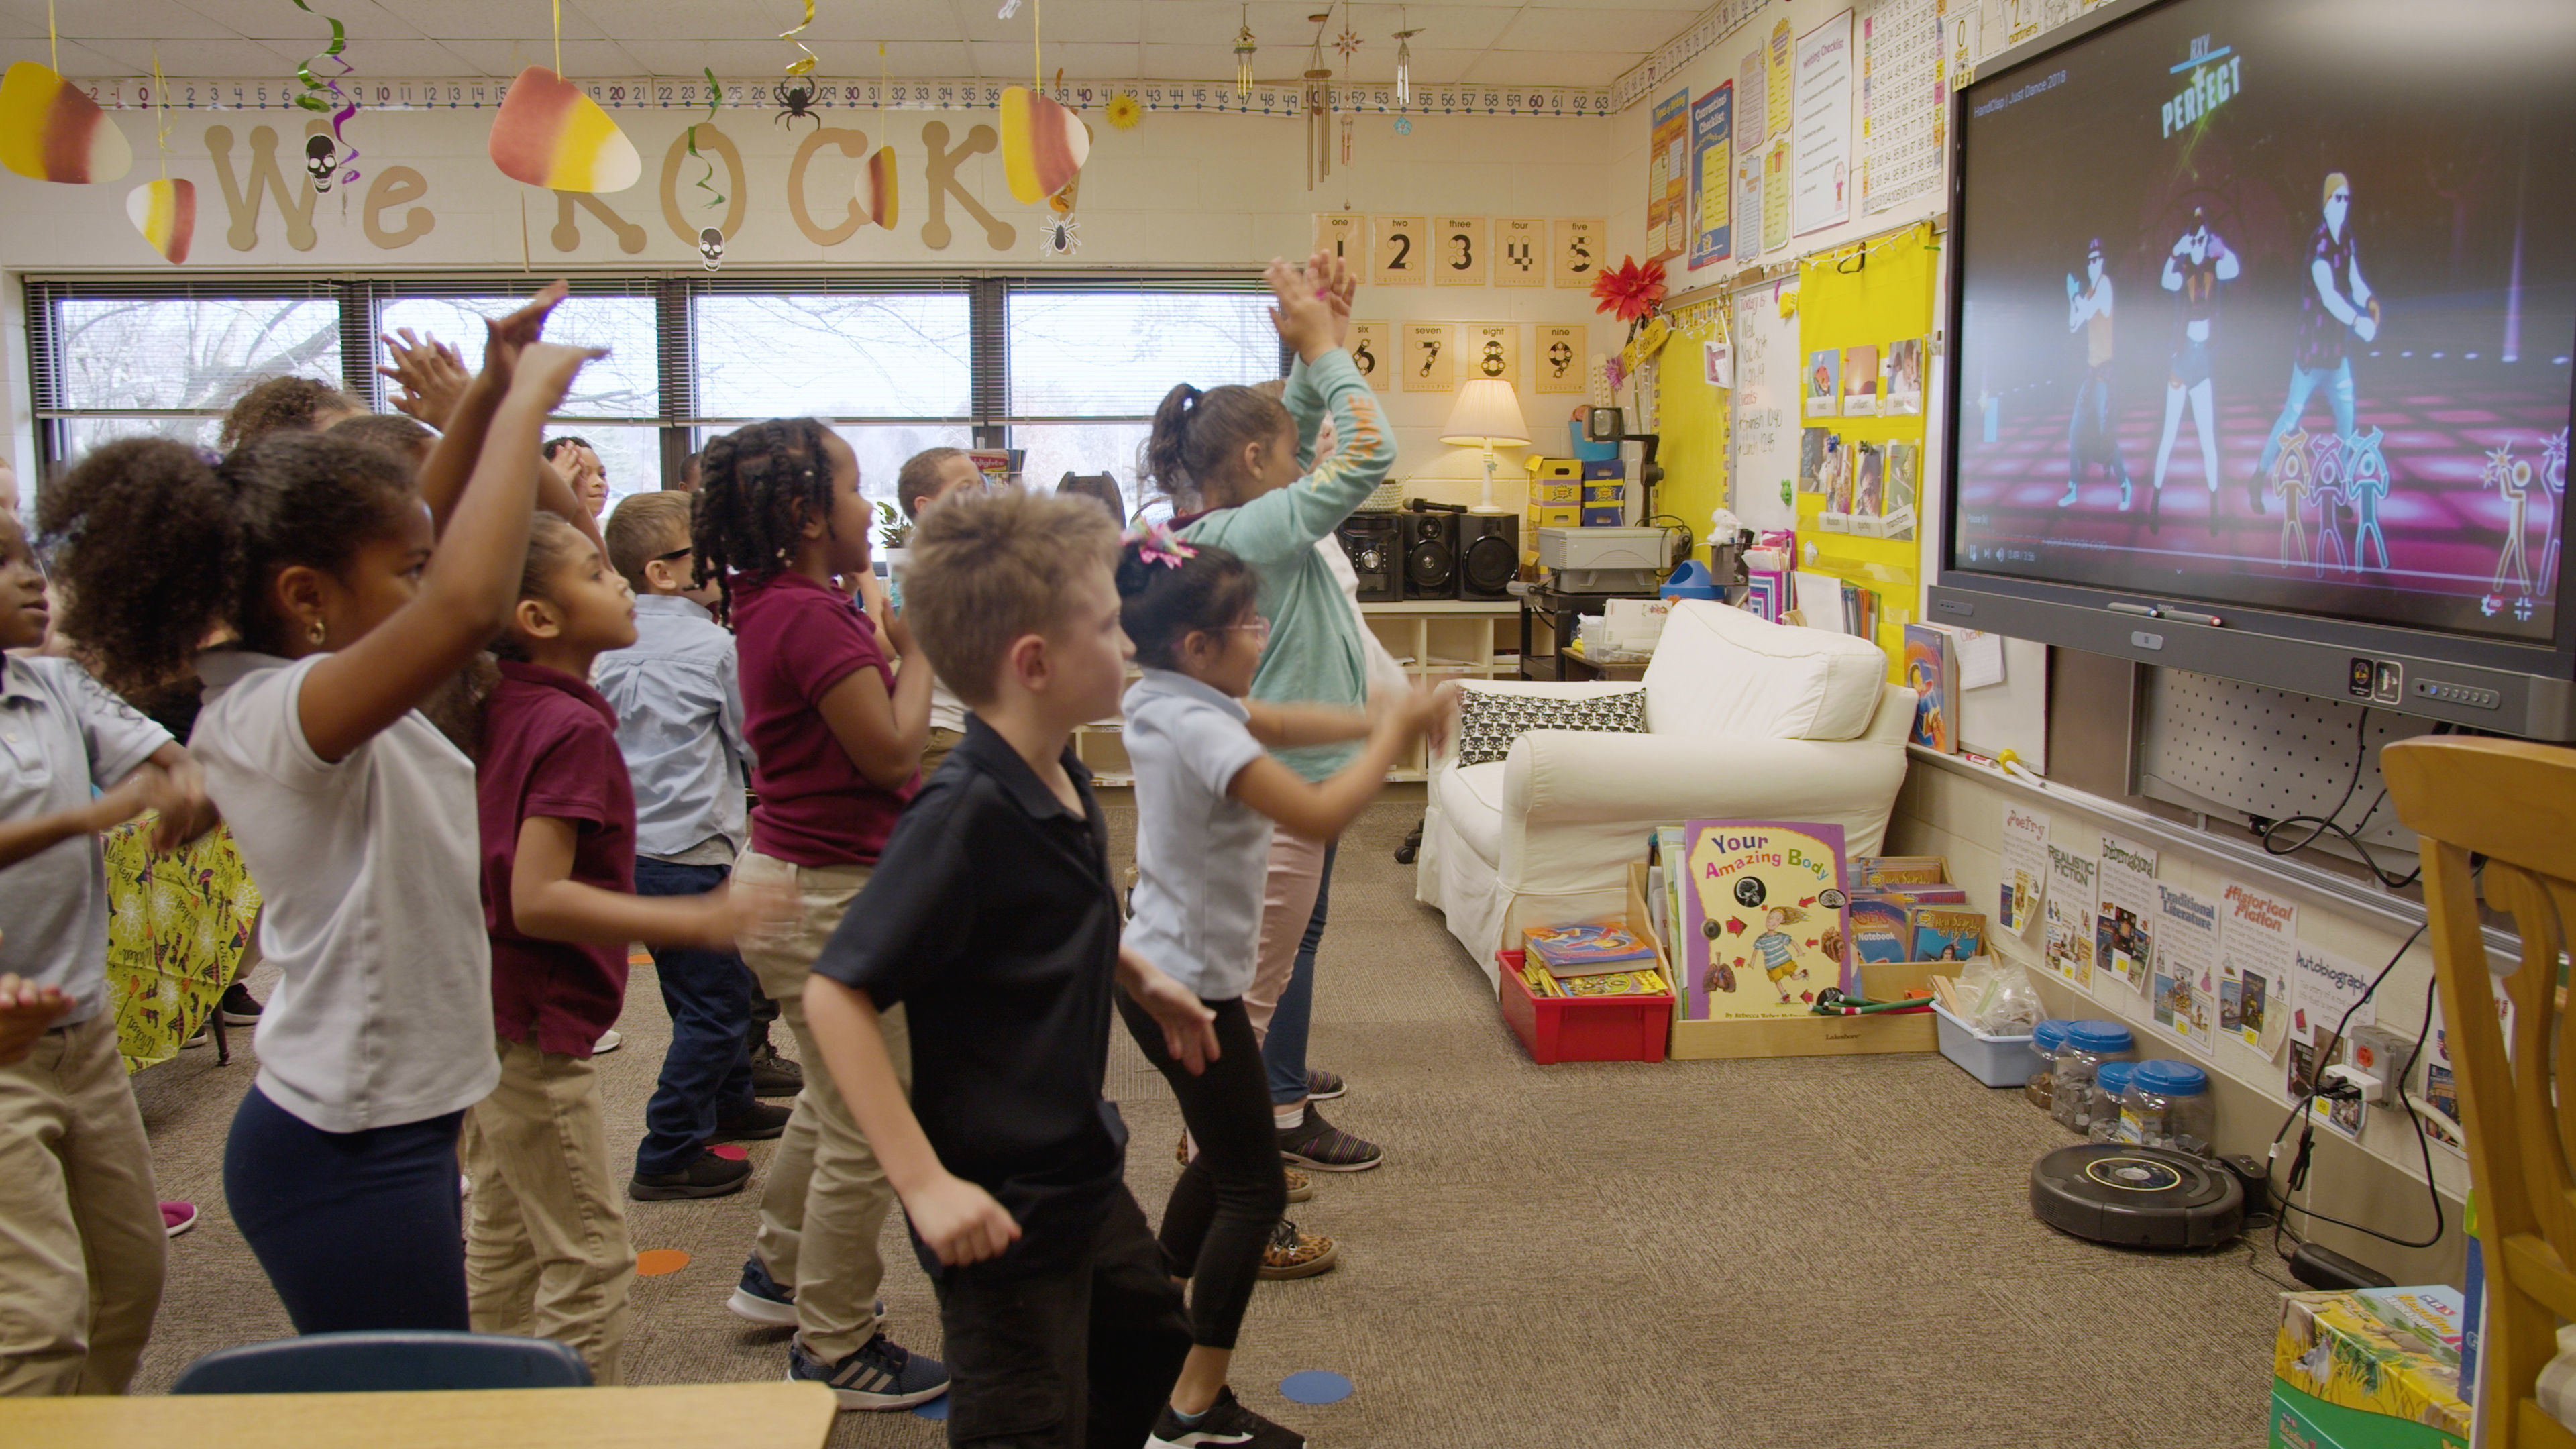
[[1629, 290]]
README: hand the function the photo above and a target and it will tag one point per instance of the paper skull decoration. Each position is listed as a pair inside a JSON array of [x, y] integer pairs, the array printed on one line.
[[321, 158], [711, 243]]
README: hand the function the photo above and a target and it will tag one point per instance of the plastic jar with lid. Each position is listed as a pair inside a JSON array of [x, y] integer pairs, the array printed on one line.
[[2047, 1039], [2167, 1104], [2110, 1082], [2088, 1045]]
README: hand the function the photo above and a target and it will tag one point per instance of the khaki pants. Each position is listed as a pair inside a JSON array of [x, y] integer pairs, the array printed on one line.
[[1288, 890], [936, 749], [81, 1239], [826, 1200], [546, 1251]]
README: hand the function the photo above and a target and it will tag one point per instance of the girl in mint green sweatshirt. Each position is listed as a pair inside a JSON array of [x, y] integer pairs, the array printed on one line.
[[1247, 463]]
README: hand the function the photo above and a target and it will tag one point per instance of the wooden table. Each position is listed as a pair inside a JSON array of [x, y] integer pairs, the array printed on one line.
[[675, 1416]]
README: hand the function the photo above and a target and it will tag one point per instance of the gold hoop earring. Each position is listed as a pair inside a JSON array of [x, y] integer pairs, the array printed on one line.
[[315, 633]]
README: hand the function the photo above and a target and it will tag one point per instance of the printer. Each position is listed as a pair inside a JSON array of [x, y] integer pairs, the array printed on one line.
[[1605, 560]]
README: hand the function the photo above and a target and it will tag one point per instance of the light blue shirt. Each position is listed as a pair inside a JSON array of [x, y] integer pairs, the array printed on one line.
[[1200, 853], [678, 696]]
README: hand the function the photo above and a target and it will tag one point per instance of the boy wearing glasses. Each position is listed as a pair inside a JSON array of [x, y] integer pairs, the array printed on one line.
[[678, 699], [927, 477]]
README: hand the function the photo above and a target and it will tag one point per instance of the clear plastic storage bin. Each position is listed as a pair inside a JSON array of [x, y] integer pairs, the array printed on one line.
[[2088, 1045], [2110, 1080], [2167, 1104], [2047, 1039]]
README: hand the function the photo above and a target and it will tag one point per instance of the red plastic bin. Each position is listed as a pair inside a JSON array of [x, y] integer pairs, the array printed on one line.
[[1578, 1029]]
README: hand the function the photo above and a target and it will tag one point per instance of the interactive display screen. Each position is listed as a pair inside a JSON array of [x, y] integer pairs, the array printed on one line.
[[2273, 305]]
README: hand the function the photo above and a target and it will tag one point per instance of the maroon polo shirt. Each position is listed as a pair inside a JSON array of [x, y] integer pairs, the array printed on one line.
[[794, 639], [549, 749]]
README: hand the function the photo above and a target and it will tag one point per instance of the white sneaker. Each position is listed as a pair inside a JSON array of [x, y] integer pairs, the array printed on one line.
[[609, 1041]]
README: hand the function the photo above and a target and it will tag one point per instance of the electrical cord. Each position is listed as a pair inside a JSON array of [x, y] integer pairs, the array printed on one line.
[[2323, 825]]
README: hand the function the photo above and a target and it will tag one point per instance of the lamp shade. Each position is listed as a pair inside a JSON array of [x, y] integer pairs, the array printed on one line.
[[1488, 412]]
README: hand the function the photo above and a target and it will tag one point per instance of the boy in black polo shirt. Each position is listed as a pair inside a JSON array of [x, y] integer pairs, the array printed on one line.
[[993, 919]]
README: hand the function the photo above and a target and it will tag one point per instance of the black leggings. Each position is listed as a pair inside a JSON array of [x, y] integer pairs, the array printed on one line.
[[1231, 1195]]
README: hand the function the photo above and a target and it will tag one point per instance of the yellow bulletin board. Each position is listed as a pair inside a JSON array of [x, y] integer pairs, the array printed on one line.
[[1692, 417], [1869, 294]]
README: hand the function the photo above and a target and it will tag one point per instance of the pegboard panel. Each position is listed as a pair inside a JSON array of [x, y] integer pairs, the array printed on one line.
[[2232, 749]]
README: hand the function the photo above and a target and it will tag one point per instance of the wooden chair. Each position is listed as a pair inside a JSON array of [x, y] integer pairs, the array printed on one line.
[[2514, 803]]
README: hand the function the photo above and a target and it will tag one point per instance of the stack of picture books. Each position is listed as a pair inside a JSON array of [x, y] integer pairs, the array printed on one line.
[[1596, 958], [1903, 908]]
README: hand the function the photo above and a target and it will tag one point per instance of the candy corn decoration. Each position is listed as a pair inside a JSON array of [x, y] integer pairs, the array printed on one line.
[[549, 134], [51, 131], [1043, 144], [875, 188], [165, 211]]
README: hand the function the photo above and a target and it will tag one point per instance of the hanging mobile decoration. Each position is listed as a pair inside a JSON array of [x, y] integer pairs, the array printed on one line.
[[1061, 236], [1347, 123], [1125, 110], [325, 155], [706, 181], [165, 211], [52, 131], [1243, 48], [1404, 60], [549, 134], [1043, 144], [1348, 42], [1319, 106]]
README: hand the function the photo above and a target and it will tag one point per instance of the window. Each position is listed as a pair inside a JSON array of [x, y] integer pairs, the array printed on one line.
[[1069, 368]]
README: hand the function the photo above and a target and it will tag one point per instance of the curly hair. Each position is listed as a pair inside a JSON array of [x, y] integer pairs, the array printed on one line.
[[1162, 604], [1197, 435], [159, 545], [756, 487], [281, 404], [990, 568]]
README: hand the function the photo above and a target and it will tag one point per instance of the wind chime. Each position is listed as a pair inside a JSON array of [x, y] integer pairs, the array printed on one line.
[[1243, 48], [1348, 43], [1319, 107], [1404, 59]]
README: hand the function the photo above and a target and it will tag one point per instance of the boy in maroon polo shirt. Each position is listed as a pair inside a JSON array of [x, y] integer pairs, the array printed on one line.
[[546, 1252]]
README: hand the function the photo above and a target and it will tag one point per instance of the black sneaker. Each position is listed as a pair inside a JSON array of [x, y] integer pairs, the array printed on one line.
[[758, 1122], [1227, 1421], [1319, 1144], [706, 1176], [762, 1298], [238, 1007], [881, 1374], [1324, 1086], [773, 1075]]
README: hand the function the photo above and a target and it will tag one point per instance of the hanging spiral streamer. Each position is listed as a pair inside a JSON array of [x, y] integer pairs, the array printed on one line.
[[324, 94], [715, 97], [804, 66]]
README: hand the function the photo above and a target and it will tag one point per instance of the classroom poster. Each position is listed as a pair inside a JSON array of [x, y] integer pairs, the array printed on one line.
[[1824, 382], [1776, 95], [2326, 987], [1520, 251], [1752, 124], [1775, 195], [2025, 869], [1399, 248], [1458, 251], [1345, 235], [1490, 349], [1562, 366], [1667, 176], [1578, 251], [2124, 928], [1823, 127], [2068, 944], [2186, 952], [1765, 919], [2257, 945], [1369, 344], [1748, 201], [1712, 180], [1903, 119], [1430, 357]]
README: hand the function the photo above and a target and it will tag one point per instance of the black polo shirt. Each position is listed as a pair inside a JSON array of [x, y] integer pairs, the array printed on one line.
[[992, 919]]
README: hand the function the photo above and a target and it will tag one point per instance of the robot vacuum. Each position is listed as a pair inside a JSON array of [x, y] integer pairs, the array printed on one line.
[[2137, 1197]]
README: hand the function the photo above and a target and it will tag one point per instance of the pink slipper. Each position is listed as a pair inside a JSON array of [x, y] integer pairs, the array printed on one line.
[[178, 1217]]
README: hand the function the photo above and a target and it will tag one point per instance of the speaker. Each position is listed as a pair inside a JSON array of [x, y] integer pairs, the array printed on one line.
[[1375, 545], [1489, 554], [1430, 555]]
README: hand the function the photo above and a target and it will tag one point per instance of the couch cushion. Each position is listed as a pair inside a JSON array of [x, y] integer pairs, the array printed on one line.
[[1490, 719], [1721, 671], [1471, 800]]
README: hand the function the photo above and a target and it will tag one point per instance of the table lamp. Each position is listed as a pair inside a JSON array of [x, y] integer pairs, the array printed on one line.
[[1488, 416]]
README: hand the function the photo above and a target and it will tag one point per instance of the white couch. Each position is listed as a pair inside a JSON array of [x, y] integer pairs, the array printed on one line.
[[1745, 720]]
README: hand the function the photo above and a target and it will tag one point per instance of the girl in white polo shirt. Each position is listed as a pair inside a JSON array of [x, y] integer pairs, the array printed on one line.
[[353, 596]]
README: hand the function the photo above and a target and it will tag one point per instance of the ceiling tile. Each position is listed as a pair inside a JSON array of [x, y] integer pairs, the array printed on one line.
[[1549, 68], [502, 58], [1588, 28], [368, 20], [1093, 20], [1009, 60], [197, 57], [77, 59]]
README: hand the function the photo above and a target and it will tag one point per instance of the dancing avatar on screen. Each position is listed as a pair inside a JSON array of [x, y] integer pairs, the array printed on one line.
[[2193, 270], [2335, 305], [2088, 434]]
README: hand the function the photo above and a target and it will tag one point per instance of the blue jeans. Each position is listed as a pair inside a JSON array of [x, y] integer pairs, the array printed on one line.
[[706, 1075], [1283, 1051], [2304, 381], [354, 1229]]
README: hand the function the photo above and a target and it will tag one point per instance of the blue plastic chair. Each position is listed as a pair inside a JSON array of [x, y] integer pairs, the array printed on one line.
[[384, 1361]]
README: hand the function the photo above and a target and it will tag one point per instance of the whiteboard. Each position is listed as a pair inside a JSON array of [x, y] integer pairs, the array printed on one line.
[[1764, 429]]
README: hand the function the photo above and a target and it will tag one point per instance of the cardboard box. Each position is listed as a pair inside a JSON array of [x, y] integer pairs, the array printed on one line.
[[2346, 1352], [1555, 517], [2304, 1421], [1554, 491], [1560, 470], [1805, 1036], [1604, 468], [1605, 515]]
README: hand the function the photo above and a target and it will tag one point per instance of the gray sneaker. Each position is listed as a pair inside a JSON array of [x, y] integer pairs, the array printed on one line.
[[881, 1374]]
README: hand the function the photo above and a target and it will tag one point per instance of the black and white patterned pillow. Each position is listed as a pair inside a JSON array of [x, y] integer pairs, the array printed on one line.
[[1489, 720]]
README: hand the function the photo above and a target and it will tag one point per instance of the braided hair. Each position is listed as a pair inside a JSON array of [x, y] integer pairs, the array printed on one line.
[[757, 486]]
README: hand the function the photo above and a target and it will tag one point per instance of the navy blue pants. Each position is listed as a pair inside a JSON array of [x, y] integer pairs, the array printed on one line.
[[354, 1229], [706, 1075]]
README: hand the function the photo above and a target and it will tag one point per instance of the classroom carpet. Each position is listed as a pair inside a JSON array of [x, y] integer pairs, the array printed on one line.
[[1835, 1252]]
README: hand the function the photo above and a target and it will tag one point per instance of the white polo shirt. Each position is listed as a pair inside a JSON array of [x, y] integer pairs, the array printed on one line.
[[60, 733], [374, 915], [1201, 854]]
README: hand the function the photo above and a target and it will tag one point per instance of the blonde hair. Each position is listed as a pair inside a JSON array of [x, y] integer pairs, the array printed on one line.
[[2335, 181], [643, 527], [919, 478], [988, 569]]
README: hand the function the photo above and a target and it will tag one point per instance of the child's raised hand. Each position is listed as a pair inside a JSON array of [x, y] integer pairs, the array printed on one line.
[[545, 370], [1332, 276], [431, 373], [1305, 323], [25, 1011], [960, 1221], [506, 338]]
